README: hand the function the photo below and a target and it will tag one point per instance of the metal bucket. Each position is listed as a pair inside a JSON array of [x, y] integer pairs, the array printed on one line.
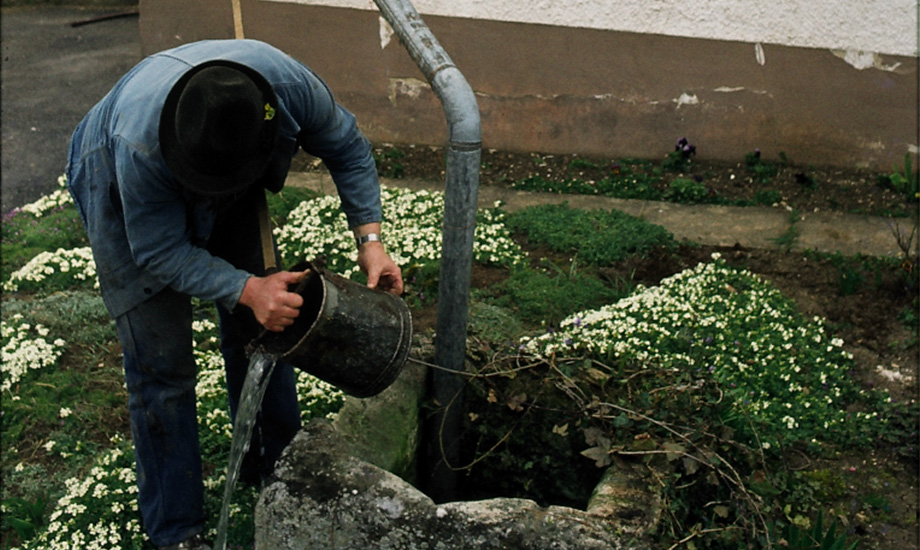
[[351, 336]]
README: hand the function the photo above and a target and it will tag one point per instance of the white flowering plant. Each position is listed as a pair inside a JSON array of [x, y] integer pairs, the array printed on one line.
[[709, 378], [58, 270], [710, 365], [413, 221], [99, 510], [50, 223], [26, 348], [43, 255], [781, 378]]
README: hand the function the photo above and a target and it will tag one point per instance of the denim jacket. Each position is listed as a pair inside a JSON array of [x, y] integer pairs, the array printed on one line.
[[144, 232]]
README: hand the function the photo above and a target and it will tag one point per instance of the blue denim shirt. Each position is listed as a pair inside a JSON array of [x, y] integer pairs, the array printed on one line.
[[144, 232]]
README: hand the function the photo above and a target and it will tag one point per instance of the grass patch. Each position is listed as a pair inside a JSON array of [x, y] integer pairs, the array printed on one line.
[[598, 237], [544, 296]]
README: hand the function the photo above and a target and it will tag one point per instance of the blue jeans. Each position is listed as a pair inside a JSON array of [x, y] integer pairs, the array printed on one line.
[[160, 372]]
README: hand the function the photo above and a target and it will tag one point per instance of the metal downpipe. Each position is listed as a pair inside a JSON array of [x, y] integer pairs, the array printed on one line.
[[464, 150]]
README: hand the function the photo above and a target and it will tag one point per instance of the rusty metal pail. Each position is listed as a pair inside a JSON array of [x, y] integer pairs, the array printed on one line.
[[348, 335]]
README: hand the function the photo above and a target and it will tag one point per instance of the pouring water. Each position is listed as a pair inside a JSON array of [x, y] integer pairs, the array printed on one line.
[[258, 375]]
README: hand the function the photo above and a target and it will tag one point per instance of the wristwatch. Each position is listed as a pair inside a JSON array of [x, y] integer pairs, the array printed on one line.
[[370, 237]]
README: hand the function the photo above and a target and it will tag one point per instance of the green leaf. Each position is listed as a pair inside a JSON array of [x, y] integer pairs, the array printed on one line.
[[599, 455], [23, 528], [673, 450]]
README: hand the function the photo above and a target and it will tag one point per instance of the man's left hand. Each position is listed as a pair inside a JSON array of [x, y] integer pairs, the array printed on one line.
[[382, 272]]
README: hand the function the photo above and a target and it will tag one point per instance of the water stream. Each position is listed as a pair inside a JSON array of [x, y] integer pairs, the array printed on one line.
[[258, 374]]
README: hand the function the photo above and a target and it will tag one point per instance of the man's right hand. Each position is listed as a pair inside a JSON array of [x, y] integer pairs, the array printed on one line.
[[269, 299]]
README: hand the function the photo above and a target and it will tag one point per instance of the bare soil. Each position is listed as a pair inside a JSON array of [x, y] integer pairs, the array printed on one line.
[[869, 316], [804, 188]]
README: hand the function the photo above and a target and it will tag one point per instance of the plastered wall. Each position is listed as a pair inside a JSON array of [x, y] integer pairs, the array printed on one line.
[[869, 26], [823, 82]]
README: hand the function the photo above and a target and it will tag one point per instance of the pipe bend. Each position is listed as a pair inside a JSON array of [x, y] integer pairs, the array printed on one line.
[[445, 78], [460, 106]]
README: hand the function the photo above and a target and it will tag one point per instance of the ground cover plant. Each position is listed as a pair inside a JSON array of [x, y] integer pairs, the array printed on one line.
[[707, 376], [84, 441], [672, 390], [68, 465]]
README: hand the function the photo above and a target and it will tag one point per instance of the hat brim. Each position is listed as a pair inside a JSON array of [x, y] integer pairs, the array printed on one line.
[[228, 179]]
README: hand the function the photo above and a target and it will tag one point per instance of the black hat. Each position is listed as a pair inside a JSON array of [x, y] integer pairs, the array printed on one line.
[[218, 128]]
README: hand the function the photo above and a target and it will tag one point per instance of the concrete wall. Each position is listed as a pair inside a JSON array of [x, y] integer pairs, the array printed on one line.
[[824, 82]]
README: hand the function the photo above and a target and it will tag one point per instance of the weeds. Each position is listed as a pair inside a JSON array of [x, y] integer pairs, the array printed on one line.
[[905, 182], [910, 258], [679, 159], [789, 237], [686, 191], [767, 197], [815, 538], [24, 516], [762, 170], [388, 162], [545, 296]]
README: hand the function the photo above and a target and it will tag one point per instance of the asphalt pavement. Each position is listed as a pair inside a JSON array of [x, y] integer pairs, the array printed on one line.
[[51, 74]]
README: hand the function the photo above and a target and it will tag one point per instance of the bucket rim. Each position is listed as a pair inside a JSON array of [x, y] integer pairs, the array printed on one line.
[[301, 287]]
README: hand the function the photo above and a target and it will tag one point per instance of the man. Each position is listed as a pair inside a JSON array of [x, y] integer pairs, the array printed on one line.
[[167, 172]]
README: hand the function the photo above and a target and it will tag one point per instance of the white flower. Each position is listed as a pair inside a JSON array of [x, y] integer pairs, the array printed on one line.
[[60, 197], [79, 262], [22, 351], [413, 224]]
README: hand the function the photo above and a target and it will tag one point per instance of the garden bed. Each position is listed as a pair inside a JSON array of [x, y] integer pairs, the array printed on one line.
[[872, 491], [52, 431], [868, 303]]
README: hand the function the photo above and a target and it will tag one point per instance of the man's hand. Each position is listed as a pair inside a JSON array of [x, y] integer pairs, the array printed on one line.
[[271, 302], [382, 272]]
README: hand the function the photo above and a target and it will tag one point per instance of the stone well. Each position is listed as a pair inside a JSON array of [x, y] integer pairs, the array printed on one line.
[[343, 485]]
